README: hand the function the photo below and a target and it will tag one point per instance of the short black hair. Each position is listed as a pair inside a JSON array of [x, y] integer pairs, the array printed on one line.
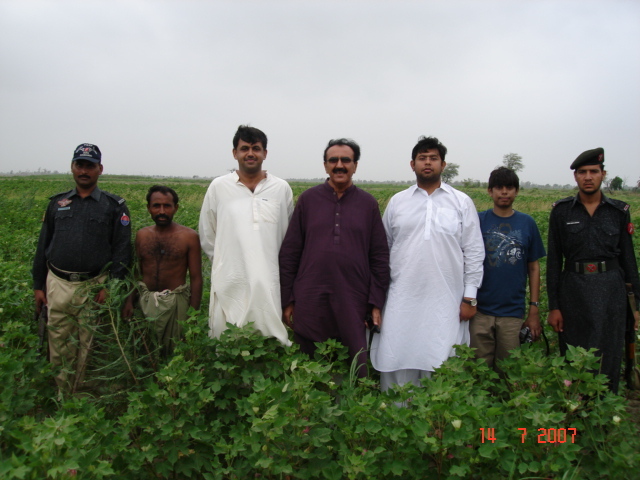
[[250, 135], [427, 143], [164, 190], [346, 142], [504, 177]]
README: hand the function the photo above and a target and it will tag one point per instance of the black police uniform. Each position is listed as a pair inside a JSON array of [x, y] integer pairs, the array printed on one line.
[[589, 260], [79, 238], [83, 235]]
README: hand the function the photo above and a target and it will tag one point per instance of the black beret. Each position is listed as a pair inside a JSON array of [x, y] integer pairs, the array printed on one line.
[[590, 157]]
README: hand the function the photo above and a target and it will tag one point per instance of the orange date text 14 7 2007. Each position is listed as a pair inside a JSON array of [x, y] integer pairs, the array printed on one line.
[[545, 435]]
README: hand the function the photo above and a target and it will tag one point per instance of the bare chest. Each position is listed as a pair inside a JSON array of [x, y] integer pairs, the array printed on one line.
[[161, 249]]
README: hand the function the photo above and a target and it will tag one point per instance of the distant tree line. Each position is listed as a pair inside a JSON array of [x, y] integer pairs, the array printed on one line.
[[451, 171]]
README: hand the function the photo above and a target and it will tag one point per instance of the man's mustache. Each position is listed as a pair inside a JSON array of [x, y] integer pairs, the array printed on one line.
[[339, 170], [161, 217]]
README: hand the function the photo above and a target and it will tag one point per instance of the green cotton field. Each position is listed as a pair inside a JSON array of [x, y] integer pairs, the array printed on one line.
[[243, 406]]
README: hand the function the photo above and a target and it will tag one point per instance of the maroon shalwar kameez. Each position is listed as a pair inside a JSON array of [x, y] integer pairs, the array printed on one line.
[[334, 266]]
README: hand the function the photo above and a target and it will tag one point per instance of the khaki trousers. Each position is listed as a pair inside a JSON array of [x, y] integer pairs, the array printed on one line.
[[70, 328], [494, 337]]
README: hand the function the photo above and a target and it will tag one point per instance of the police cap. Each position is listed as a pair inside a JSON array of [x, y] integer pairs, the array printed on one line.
[[87, 151], [590, 157]]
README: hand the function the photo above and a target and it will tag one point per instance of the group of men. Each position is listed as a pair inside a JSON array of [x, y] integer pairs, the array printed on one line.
[[333, 267], [84, 240]]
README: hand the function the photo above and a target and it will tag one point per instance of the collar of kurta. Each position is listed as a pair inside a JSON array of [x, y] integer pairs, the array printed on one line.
[[329, 188], [266, 176], [443, 186], [95, 194]]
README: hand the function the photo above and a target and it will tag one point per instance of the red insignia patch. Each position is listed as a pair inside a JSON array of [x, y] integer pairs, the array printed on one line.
[[64, 202], [125, 220], [591, 268], [630, 228]]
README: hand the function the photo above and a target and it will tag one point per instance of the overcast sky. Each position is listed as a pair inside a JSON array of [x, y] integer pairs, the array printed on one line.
[[161, 86]]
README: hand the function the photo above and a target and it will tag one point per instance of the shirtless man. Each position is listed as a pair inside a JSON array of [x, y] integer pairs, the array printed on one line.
[[165, 251]]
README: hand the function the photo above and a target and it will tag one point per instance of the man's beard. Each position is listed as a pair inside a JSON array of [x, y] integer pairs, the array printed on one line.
[[161, 220]]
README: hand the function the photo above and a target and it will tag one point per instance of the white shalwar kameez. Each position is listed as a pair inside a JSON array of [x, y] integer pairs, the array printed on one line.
[[241, 232], [436, 256]]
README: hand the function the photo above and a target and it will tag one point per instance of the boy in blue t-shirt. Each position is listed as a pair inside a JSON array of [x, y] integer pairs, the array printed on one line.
[[512, 248]]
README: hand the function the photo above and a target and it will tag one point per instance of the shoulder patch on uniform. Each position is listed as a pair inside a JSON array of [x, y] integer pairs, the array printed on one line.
[[124, 219], [562, 200], [619, 204], [115, 197], [630, 228]]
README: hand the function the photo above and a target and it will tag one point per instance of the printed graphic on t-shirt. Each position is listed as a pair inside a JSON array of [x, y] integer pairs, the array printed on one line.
[[503, 246]]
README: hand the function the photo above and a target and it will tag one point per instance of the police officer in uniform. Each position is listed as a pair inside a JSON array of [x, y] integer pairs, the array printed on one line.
[[84, 230], [590, 258]]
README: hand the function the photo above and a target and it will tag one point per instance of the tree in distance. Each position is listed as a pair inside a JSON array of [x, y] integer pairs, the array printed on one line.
[[616, 183], [513, 161], [450, 172], [470, 182]]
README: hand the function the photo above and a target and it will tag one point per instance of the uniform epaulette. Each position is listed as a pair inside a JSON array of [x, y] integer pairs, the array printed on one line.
[[58, 194], [562, 201], [619, 204], [115, 197]]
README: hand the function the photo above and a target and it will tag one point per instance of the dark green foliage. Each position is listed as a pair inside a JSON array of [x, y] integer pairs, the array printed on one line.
[[244, 407]]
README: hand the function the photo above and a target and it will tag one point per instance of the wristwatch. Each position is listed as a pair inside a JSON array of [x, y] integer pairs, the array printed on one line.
[[473, 302], [534, 304]]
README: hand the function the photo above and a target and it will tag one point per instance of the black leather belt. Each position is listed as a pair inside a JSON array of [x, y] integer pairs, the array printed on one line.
[[588, 268], [74, 276]]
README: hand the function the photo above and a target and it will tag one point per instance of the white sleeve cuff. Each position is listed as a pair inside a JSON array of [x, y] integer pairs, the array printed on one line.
[[470, 291]]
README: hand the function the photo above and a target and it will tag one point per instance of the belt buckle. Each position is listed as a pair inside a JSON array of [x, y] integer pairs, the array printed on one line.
[[590, 268], [74, 277]]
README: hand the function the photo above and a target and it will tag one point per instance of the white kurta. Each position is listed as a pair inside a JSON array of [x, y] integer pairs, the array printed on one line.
[[241, 232], [436, 256]]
